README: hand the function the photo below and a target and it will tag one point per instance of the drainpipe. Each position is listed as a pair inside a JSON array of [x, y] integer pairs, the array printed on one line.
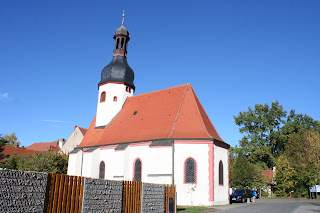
[[81, 162]]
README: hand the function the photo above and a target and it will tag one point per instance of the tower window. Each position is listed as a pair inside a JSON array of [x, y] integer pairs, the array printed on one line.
[[103, 97], [190, 172], [137, 170], [102, 168], [115, 99], [122, 42], [220, 173], [117, 45]]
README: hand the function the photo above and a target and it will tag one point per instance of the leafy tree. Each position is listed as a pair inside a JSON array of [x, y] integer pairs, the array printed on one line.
[[245, 174], [3, 142], [260, 127], [51, 161], [285, 176], [12, 140]]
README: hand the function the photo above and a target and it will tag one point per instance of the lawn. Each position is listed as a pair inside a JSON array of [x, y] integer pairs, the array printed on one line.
[[195, 209]]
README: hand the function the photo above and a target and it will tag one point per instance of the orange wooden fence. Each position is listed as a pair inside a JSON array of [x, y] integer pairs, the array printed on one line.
[[131, 202], [64, 194], [170, 193]]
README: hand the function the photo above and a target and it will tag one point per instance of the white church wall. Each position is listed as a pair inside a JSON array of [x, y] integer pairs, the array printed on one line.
[[114, 162], [74, 164], [87, 163], [159, 165], [198, 193], [221, 192], [108, 109], [95, 163]]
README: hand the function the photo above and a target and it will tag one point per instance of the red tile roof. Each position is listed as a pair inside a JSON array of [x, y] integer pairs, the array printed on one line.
[[44, 146], [8, 150], [170, 113], [268, 175], [83, 130]]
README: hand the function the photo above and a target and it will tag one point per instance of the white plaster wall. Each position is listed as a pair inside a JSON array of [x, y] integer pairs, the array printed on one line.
[[108, 109], [87, 162], [114, 162], [221, 193], [73, 141], [200, 195], [95, 163], [74, 164]]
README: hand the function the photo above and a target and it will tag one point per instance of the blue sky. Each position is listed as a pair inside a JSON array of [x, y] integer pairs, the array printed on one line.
[[235, 54]]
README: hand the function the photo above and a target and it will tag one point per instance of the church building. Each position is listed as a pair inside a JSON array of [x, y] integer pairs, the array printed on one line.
[[162, 137]]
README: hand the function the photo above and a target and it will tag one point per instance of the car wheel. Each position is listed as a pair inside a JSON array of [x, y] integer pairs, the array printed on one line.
[[243, 200]]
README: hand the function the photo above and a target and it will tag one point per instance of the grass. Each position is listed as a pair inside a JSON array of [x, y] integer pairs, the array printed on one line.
[[195, 209]]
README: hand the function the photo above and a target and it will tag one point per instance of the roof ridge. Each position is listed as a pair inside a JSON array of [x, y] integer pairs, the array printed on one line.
[[177, 115], [161, 90], [198, 102]]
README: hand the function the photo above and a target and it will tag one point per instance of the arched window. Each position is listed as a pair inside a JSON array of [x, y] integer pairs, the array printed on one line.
[[117, 45], [115, 98], [220, 173], [102, 170], [137, 170], [122, 42], [190, 173], [103, 97]]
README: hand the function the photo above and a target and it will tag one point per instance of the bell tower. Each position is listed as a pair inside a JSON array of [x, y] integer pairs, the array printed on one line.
[[116, 83]]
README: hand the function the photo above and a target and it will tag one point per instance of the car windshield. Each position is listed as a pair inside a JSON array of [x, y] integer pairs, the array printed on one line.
[[238, 192]]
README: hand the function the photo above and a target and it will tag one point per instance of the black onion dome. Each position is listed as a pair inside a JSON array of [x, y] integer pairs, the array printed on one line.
[[122, 30], [118, 71]]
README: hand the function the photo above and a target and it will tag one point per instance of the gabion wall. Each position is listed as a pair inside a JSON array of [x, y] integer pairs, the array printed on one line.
[[153, 197], [22, 191], [102, 195]]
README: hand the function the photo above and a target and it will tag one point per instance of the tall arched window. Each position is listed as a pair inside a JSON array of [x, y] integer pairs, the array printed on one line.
[[103, 97], [137, 170], [102, 169], [190, 173], [220, 173], [115, 98]]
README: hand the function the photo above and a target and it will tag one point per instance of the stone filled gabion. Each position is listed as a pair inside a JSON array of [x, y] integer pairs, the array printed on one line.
[[22, 191], [153, 197], [102, 195]]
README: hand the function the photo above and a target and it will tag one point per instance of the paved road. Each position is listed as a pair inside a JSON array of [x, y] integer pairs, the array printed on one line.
[[273, 206]]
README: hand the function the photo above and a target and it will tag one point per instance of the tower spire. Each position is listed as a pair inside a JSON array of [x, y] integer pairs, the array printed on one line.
[[123, 18]]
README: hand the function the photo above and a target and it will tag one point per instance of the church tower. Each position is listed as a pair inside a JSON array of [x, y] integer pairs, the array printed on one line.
[[116, 83]]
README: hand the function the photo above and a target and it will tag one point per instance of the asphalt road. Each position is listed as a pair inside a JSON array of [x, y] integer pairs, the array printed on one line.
[[273, 206]]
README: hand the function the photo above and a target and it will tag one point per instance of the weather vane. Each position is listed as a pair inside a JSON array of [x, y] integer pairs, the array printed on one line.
[[123, 18]]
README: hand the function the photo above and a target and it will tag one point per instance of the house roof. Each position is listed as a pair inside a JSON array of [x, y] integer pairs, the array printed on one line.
[[44, 146], [268, 175], [82, 130], [9, 150], [174, 113]]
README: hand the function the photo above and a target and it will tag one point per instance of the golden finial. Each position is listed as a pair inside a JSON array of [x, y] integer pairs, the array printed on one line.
[[123, 18]]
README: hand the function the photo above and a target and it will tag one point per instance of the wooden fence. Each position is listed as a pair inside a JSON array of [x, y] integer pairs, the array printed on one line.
[[132, 197], [64, 194], [170, 193]]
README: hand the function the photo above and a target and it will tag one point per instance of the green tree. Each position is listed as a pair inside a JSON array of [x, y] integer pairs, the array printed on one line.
[[285, 176], [260, 127], [3, 142], [50, 161], [243, 173], [12, 140]]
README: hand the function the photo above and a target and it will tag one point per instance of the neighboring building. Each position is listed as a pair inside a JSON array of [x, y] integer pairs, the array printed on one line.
[[74, 140], [45, 146], [10, 151], [268, 175], [158, 137]]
